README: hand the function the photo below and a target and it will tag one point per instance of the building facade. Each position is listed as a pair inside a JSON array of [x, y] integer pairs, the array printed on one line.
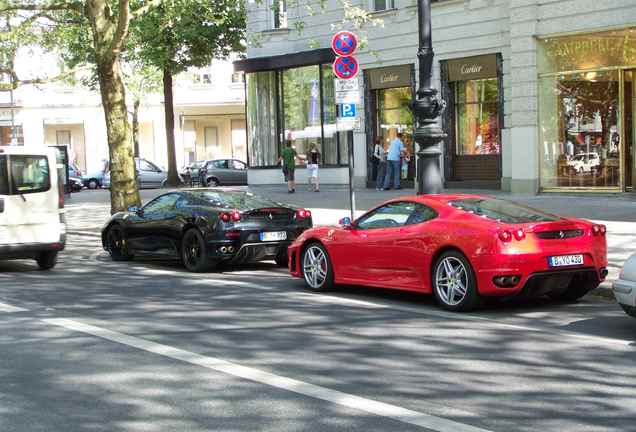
[[540, 93], [209, 106]]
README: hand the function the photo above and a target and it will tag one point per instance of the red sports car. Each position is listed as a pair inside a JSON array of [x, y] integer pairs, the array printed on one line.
[[459, 247]]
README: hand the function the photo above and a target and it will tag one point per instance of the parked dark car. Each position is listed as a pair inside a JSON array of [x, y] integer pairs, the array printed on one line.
[[75, 184], [224, 172], [206, 227]]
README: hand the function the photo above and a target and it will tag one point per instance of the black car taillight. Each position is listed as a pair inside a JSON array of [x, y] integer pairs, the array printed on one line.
[[303, 214], [234, 216]]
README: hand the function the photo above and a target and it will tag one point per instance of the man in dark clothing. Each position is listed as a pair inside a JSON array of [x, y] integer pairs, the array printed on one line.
[[288, 156]]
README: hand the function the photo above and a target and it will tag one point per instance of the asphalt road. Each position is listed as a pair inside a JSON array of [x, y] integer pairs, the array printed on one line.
[[145, 346]]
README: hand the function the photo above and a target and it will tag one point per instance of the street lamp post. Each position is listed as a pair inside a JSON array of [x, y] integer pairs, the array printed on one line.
[[427, 108]]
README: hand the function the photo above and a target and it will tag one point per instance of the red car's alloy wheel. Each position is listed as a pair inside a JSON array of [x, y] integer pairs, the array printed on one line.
[[451, 281], [316, 267]]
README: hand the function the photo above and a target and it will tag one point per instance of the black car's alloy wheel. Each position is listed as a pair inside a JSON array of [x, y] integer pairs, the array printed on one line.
[[194, 253], [454, 282], [117, 245]]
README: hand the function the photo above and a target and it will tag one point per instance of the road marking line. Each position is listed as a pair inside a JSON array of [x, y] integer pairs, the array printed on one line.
[[4, 307], [314, 391]]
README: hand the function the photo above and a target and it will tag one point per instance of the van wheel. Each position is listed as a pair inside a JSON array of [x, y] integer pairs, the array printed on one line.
[[116, 244], [46, 260]]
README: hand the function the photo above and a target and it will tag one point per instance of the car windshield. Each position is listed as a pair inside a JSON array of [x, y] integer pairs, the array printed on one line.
[[232, 200], [502, 211], [30, 174]]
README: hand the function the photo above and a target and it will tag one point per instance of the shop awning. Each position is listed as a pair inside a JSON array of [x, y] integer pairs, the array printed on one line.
[[304, 58]]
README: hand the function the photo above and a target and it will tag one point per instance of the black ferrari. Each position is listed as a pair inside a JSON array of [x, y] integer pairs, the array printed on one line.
[[206, 227]]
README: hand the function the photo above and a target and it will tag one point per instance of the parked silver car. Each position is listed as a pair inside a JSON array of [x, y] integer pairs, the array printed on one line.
[[149, 175], [219, 172], [625, 287]]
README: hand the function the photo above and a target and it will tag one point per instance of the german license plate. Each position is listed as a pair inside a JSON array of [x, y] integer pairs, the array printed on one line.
[[274, 236], [565, 260]]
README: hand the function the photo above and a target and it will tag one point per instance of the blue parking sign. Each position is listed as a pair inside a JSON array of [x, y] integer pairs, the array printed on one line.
[[347, 110]]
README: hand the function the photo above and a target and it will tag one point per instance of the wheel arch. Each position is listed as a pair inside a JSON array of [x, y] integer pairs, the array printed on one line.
[[313, 240], [108, 227]]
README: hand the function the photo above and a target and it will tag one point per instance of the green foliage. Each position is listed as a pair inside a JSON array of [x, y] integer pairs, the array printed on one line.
[[179, 34]]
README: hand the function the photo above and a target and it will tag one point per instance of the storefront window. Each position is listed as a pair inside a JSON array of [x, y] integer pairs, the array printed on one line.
[[301, 102], [304, 113], [477, 104], [261, 119], [580, 130], [395, 116]]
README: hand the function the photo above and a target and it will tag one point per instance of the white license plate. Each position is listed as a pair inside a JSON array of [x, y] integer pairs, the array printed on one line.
[[565, 260], [274, 236]]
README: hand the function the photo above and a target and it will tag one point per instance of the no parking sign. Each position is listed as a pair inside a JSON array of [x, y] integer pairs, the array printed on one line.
[[344, 44], [345, 67]]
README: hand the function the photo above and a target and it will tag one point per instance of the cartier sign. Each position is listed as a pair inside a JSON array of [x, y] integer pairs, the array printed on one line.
[[478, 67], [388, 77]]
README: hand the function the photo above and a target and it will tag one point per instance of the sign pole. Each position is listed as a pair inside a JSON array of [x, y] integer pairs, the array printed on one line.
[[352, 193]]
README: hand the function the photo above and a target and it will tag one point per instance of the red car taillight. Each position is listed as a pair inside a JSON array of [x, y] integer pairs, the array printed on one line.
[[236, 216], [599, 230], [302, 214], [225, 217], [507, 236]]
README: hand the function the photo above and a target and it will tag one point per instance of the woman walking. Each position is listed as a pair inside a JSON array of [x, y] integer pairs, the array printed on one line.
[[313, 159]]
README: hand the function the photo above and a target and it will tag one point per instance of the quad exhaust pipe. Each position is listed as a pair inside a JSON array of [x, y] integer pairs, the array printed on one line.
[[227, 249], [506, 281]]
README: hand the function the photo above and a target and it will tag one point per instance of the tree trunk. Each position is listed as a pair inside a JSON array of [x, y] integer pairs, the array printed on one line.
[[123, 187], [123, 184], [173, 176], [135, 126]]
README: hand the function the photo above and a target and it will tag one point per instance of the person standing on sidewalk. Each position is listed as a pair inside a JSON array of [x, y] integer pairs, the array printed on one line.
[[379, 154], [313, 159], [396, 151], [288, 157]]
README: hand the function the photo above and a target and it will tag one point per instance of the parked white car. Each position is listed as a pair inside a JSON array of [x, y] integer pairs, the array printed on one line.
[[625, 287], [32, 222], [585, 162]]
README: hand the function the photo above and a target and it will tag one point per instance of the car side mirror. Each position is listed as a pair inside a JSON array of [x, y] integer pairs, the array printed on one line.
[[346, 223], [134, 209]]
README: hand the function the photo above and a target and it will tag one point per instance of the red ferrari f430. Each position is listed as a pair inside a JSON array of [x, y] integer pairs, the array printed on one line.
[[460, 248]]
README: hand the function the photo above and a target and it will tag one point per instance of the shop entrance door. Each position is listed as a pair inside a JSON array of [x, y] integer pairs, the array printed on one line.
[[630, 129]]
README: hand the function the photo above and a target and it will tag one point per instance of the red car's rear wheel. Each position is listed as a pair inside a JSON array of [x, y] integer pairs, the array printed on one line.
[[454, 282]]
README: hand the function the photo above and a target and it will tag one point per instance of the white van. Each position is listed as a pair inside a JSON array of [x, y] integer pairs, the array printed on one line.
[[32, 221]]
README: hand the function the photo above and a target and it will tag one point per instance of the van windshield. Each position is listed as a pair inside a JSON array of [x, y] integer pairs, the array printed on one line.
[[29, 174], [4, 177]]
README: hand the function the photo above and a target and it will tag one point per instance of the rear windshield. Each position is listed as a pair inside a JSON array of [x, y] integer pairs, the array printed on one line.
[[502, 211], [230, 200], [29, 174], [4, 177]]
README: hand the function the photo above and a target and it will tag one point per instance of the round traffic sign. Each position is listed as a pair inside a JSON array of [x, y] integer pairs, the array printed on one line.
[[345, 67], [344, 43]]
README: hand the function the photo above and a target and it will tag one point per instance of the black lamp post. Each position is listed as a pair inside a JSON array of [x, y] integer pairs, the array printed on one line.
[[427, 108]]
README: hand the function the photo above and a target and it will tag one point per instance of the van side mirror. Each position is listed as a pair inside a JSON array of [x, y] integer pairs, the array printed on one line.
[[346, 222]]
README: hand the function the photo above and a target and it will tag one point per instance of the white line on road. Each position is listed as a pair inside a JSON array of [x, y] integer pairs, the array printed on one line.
[[11, 309], [333, 396]]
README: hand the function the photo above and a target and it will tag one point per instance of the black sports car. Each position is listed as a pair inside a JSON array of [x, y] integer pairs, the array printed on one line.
[[205, 227]]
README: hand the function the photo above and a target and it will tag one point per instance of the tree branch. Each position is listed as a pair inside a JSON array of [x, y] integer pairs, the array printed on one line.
[[77, 6], [122, 27], [146, 8], [16, 82]]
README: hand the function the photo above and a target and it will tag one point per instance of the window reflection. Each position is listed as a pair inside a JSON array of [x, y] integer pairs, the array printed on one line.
[[478, 117], [580, 130]]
